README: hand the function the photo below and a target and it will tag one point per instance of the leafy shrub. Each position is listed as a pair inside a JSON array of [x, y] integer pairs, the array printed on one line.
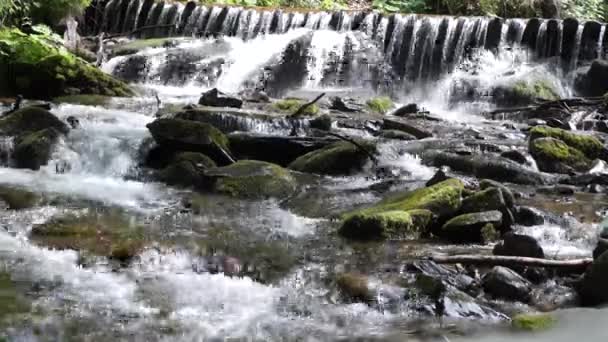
[[50, 12]]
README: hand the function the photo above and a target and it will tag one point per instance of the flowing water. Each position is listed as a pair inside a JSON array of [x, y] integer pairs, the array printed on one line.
[[163, 295]]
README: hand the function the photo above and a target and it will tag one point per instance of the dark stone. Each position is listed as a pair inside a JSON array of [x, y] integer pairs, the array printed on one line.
[[406, 110], [153, 19], [487, 200], [553, 40], [397, 135], [589, 41], [30, 119], [472, 228], [507, 194], [215, 98], [494, 34], [594, 188], [343, 105], [600, 248], [556, 123], [322, 122], [569, 41], [593, 288], [529, 217], [73, 122], [595, 81], [557, 190], [400, 125], [504, 283], [515, 156], [186, 169], [144, 12], [131, 16], [519, 245], [439, 177], [531, 33], [33, 150], [290, 72], [185, 18]]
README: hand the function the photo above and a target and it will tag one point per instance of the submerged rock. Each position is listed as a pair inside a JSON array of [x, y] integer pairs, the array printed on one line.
[[17, 199], [406, 110], [340, 158], [215, 98], [183, 135], [504, 283], [555, 156], [473, 227], [33, 150], [519, 245], [394, 224], [355, 287], [250, 179]]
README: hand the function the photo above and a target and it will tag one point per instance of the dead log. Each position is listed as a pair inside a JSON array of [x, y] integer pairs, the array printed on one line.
[[574, 266]]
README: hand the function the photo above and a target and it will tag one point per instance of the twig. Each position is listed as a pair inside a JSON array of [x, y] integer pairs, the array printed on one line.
[[576, 265]]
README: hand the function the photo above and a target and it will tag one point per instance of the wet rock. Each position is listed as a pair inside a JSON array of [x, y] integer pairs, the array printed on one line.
[[594, 188], [519, 245], [73, 122], [31, 119], [594, 82], [507, 194], [442, 199], [186, 169], [483, 166], [215, 98], [592, 290], [406, 110], [257, 96], [343, 105], [183, 135], [564, 190], [515, 156], [438, 177], [486, 200], [400, 125], [473, 227], [322, 122], [556, 123], [600, 248], [33, 150], [341, 158], [555, 156], [527, 216], [397, 135], [524, 93], [396, 224], [504, 283], [250, 179], [17, 199], [276, 149], [355, 287], [589, 145]]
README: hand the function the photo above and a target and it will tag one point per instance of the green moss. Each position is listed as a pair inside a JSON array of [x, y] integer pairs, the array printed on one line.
[[589, 145], [489, 233], [551, 154], [187, 132], [252, 179], [104, 234], [341, 158], [17, 199], [30, 119], [380, 105], [33, 150], [186, 168], [535, 90], [442, 199], [291, 105], [39, 67], [11, 301], [390, 224], [533, 322], [473, 227], [85, 100]]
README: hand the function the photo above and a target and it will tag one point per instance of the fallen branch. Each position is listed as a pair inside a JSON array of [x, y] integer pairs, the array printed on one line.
[[225, 153], [352, 141], [576, 265], [302, 108]]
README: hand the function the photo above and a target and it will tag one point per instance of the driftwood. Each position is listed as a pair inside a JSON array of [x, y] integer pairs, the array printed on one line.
[[303, 107], [575, 266]]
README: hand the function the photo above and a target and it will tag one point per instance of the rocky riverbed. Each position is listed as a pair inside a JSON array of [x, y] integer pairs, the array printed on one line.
[[187, 212]]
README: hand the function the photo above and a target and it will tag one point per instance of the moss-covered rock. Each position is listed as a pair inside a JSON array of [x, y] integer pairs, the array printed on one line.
[[102, 234], [11, 300], [30, 119], [524, 92], [533, 322], [34, 150], [37, 66], [192, 136], [486, 200], [472, 227], [85, 100], [590, 146], [341, 158], [553, 155], [442, 199], [291, 105], [250, 179], [380, 105], [387, 225], [17, 199], [186, 169], [355, 287]]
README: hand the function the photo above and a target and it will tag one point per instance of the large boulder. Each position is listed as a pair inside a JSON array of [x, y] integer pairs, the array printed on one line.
[[473, 227], [215, 98], [30, 119], [341, 158], [553, 155], [186, 169], [519, 245], [183, 135], [396, 224], [504, 283], [594, 287], [523, 93], [35, 66], [487, 200], [589, 145], [403, 126], [33, 150], [593, 82], [250, 179]]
